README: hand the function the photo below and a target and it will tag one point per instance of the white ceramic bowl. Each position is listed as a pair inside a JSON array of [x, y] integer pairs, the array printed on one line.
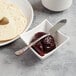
[[57, 5], [60, 38], [27, 9]]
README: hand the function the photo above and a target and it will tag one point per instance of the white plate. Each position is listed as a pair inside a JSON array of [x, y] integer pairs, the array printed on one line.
[[27, 9]]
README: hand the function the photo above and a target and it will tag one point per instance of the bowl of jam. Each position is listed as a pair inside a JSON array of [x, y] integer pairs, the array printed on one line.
[[46, 46]]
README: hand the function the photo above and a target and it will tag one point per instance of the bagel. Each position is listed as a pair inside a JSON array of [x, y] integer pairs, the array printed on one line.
[[12, 21]]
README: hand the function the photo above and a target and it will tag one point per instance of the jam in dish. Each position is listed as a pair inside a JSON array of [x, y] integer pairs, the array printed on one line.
[[45, 45]]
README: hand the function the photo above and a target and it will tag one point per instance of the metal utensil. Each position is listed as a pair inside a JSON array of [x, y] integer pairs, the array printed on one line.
[[52, 32]]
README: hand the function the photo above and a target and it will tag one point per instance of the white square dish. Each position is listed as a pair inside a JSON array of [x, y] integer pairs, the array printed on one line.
[[60, 38]]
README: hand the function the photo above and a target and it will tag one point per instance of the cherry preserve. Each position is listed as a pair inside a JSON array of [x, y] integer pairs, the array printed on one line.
[[45, 45]]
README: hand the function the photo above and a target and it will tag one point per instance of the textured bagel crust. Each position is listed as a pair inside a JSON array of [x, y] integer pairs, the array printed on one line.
[[17, 21]]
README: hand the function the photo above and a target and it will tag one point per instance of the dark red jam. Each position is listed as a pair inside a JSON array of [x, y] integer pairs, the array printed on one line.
[[45, 45]]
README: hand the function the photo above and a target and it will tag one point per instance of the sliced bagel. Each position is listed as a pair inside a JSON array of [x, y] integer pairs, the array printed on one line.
[[12, 21]]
